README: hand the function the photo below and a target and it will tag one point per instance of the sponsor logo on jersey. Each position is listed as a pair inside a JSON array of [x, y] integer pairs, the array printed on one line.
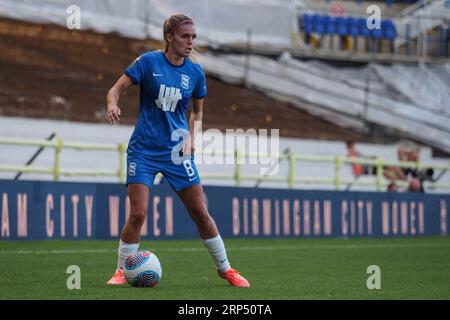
[[168, 98]]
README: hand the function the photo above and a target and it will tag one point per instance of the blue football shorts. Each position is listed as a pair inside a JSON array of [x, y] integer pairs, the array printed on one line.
[[143, 170]]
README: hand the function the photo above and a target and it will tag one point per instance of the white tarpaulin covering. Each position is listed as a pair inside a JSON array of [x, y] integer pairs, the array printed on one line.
[[412, 100], [218, 21]]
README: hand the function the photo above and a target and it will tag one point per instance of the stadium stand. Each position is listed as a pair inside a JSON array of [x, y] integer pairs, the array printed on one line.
[[370, 100], [413, 29]]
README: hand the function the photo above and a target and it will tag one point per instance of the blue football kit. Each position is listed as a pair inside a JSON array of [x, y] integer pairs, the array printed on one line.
[[157, 140]]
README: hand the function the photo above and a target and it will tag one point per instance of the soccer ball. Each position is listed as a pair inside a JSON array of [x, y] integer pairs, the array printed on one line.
[[142, 269]]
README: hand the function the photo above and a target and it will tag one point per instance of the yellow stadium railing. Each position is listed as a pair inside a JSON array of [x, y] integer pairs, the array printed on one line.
[[59, 144], [292, 179]]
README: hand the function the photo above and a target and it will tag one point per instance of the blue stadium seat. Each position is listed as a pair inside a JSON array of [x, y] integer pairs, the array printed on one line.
[[352, 27], [314, 18], [362, 28], [330, 25], [308, 25], [389, 30], [342, 27], [318, 24], [376, 33]]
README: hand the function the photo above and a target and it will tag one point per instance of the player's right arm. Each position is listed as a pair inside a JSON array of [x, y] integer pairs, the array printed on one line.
[[112, 98]]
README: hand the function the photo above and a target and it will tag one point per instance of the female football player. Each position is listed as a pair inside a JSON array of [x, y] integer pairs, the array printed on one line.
[[167, 81]]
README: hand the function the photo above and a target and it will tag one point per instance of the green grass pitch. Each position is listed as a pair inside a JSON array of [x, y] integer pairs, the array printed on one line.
[[411, 268]]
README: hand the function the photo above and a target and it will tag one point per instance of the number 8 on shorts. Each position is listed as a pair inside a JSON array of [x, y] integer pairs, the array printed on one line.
[[188, 166]]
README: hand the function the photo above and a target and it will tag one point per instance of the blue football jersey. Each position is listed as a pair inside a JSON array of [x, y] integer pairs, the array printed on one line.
[[165, 91]]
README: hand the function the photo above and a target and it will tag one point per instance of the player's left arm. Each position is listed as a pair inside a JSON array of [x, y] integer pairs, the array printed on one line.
[[195, 124]]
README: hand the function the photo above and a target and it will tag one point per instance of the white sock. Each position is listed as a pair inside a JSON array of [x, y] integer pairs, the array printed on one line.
[[125, 249], [216, 248]]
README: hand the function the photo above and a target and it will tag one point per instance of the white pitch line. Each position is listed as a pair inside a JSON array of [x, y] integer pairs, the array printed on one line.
[[255, 248]]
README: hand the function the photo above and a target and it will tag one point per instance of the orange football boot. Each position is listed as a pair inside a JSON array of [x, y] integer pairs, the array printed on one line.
[[234, 278], [118, 278]]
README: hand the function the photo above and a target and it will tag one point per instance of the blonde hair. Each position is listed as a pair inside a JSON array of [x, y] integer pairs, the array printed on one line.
[[170, 25]]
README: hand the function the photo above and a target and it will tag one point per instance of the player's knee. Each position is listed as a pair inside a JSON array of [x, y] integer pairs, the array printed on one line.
[[201, 216], [137, 218]]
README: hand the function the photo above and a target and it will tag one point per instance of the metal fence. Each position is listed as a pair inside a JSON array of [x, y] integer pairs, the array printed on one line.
[[292, 179]]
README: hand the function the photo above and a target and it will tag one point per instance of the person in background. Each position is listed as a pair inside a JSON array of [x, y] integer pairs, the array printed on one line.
[[357, 168], [392, 187]]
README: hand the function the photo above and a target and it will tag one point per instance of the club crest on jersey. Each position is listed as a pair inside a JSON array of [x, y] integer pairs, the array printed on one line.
[[185, 81], [168, 98]]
